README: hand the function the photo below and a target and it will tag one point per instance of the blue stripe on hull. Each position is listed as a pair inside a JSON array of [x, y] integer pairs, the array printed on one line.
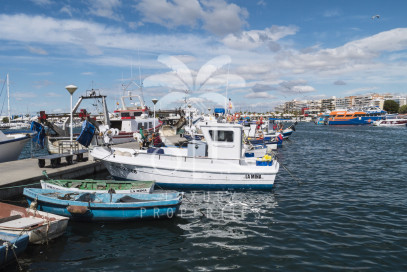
[[189, 186], [222, 187], [111, 214]]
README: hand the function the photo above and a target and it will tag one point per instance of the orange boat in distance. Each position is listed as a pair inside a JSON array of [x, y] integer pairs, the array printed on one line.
[[343, 117]]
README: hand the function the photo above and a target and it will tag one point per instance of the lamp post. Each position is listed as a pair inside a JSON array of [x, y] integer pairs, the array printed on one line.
[[154, 100], [71, 89]]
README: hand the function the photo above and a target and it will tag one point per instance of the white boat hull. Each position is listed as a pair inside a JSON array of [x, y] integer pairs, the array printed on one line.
[[183, 172], [10, 149]]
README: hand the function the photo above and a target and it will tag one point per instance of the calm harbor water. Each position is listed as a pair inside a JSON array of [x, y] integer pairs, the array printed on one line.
[[348, 214]]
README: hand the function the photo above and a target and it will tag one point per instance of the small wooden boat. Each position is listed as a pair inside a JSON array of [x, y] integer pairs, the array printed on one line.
[[105, 206], [11, 245], [40, 226], [98, 186]]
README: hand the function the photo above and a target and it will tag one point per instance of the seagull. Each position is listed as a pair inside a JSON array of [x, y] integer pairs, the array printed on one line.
[[375, 16]]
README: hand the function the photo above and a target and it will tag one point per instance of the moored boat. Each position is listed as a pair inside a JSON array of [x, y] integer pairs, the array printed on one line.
[[98, 186], [392, 120], [218, 163], [344, 117], [11, 246], [40, 226], [11, 145], [105, 206]]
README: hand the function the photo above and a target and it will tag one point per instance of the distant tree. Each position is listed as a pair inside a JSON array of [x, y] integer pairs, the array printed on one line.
[[391, 106], [403, 109], [5, 120]]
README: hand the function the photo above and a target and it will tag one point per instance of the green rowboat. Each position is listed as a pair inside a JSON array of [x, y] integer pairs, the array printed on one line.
[[99, 186]]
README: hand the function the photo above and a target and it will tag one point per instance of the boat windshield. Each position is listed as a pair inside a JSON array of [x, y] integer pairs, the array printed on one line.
[[221, 135]]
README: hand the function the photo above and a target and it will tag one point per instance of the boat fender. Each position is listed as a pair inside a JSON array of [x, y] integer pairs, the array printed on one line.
[[73, 209]]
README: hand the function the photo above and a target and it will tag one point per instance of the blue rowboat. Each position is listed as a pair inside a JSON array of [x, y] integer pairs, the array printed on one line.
[[11, 244], [105, 206]]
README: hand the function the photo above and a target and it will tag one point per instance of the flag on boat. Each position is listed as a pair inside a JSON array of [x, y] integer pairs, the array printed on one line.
[[39, 139], [88, 130]]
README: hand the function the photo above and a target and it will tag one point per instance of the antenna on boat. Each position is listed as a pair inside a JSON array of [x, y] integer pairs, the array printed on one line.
[[131, 68], [139, 73], [227, 85]]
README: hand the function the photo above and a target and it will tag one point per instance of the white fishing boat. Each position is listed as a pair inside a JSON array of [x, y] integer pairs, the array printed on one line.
[[218, 162], [391, 120], [11, 145], [129, 120]]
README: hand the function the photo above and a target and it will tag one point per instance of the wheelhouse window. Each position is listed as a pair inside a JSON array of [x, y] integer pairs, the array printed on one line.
[[340, 115], [221, 135], [137, 113], [125, 114], [150, 125]]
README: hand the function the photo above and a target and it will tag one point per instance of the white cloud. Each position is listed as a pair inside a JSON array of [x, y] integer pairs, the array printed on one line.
[[217, 17], [42, 2], [332, 13], [247, 40], [23, 95], [222, 18], [43, 83], [262, 95], [339, 82], [360, 90], [105, 8], [92, 37], [87, 73], [357, 55], [36, 50], [66, 9], [170, 14], [52, 94]]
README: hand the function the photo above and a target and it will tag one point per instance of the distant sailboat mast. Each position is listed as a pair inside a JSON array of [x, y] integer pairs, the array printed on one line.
[[8, 99]]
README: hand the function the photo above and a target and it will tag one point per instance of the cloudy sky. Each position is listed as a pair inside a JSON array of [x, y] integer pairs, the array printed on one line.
[[259, 53]]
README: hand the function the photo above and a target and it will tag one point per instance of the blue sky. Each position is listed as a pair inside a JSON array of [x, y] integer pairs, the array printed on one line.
[[260, 52]]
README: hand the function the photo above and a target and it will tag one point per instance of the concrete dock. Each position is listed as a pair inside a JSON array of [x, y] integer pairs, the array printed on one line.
[[15, 175]]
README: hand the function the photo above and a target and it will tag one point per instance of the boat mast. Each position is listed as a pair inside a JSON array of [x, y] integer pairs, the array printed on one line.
[[8, 99]]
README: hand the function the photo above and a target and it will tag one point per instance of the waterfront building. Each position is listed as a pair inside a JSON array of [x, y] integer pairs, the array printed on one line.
[[328, 104]]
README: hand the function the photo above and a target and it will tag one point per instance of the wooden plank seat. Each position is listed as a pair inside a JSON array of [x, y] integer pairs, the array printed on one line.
[[55, 159]]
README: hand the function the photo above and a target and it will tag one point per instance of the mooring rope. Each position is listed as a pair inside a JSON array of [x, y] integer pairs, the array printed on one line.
[[17, 186], [299, 182]]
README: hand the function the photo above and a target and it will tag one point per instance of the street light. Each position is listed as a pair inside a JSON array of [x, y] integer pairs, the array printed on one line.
[[71, 89], [154, 102]]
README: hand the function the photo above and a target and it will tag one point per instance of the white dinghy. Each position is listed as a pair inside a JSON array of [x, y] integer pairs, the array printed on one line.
[[218, 163], [11, 145]]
